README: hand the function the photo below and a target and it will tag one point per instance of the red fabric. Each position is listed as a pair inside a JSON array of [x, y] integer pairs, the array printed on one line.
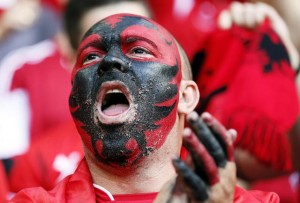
[[261, 107], [251, 87], [3, 183], [193, 29], [79, 188], [73, 189], [285, 186], [1, 12], [56, 5], [48, 86], [101, 196], [37, 167], [298, 190], [243, 196]]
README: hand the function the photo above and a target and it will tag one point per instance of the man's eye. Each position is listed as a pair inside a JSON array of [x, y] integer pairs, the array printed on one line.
[[91, 58], [140, 52]]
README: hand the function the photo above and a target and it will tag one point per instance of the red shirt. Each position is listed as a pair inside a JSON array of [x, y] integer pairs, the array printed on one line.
[[3, 183], [79, 188], [46, 81], [102, 195], [51, 158], [286, 186]]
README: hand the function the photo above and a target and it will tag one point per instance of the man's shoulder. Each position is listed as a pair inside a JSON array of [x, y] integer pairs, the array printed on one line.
[[242, 195], [39, 194], [75, 187]]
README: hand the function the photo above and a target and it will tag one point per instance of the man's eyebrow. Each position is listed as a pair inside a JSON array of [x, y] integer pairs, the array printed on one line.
[[132, 39], [88, 43]]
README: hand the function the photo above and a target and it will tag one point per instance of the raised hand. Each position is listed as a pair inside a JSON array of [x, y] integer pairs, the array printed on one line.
[[251, 15], [209, 174]]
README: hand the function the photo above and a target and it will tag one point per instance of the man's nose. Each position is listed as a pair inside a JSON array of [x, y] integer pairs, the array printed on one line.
[[110, 62]]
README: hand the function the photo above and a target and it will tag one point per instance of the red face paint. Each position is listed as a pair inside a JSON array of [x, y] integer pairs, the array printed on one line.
[[88, 45], [125, 88]]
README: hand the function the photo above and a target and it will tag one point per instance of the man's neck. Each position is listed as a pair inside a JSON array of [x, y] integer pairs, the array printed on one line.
[[148, 176]]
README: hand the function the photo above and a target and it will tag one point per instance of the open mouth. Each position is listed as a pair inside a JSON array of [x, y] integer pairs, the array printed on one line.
[[114, 103]]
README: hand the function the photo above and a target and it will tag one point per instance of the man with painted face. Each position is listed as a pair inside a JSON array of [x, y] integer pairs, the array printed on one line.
[[131, 93]]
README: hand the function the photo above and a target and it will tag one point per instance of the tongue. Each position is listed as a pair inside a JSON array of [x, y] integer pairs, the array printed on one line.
[[115, 110]]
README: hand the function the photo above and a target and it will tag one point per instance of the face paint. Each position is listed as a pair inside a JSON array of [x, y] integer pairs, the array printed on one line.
[[125, 88]]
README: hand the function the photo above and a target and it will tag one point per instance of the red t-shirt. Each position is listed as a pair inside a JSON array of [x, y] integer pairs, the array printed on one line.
[[46, 80], [78, 187], [51, 158], [102, 195]]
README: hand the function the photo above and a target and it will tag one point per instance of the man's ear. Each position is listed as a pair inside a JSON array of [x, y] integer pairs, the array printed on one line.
[[188, 97]]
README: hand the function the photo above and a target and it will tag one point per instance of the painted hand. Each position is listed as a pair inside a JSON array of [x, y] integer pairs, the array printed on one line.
[[209, 174]]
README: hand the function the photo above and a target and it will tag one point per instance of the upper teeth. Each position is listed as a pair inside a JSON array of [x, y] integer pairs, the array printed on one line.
[[113, 91]]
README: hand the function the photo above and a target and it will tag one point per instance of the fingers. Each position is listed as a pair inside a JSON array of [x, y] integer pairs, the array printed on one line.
[[195, 186], [204, 164], [237, 12], [208, 143], [224, 20], [208, 139], [241, 14], [251, 15], [232, 134], [225, 137], [280, 27]]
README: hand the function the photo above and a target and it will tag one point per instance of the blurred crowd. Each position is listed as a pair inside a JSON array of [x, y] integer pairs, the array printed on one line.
[[247, 74]]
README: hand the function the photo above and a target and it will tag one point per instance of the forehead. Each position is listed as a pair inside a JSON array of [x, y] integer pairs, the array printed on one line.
[[100, 12], [130, 25]]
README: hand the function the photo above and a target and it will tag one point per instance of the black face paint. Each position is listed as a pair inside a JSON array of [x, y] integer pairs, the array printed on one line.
[[148, 86]]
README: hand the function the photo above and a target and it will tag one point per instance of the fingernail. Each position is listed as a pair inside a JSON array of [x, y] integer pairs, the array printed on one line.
[[206, 115], [193, 116], [187, 132], [224, 20], [233, 134]]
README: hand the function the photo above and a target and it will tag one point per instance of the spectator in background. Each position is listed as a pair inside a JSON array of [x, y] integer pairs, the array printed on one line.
[[290, 11], [34, 95], [275, 80], [250, 84], [26, 23]]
